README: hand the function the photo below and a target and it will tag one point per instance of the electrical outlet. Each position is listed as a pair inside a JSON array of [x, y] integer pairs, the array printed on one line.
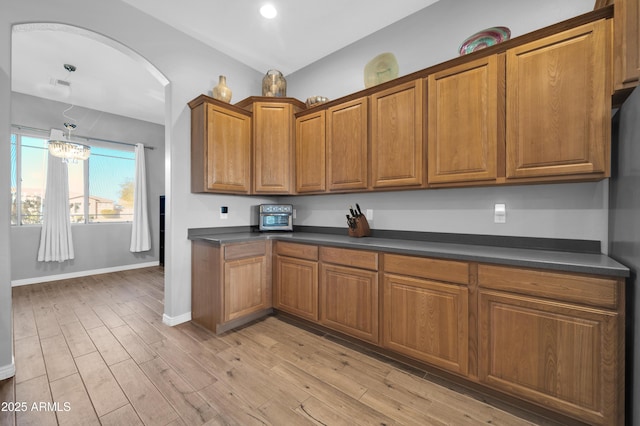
[[294, 213], [500, 213], [369, 214]]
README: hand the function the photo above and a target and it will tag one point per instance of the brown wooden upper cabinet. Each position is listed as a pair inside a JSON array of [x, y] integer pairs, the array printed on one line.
[[558, 106], [220, 147], [310, 153], [626, 43], [397, 153], [463, 121], [347, 146], [273, 143]]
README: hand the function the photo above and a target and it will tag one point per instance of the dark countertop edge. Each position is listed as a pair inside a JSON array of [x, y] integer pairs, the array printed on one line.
[[553, 244], [578, 262]]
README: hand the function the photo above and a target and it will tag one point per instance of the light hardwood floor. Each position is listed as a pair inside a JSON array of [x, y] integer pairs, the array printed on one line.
[[94, 350]]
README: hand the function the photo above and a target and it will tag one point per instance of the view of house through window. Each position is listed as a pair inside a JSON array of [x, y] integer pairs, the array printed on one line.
[[100, 189]]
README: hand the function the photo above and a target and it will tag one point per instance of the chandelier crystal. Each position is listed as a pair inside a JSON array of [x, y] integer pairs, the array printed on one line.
[[69, 151], [62, 147]]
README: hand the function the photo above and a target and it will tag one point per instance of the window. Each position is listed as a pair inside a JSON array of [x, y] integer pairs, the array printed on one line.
[[100, 189], [111, 175]]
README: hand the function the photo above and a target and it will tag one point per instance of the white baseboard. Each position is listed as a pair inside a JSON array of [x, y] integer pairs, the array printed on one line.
[[44, 279], [7, 371], [171, 321]]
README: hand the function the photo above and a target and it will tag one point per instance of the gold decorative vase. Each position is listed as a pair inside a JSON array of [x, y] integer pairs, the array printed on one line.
[[274, 84], [222, 92]]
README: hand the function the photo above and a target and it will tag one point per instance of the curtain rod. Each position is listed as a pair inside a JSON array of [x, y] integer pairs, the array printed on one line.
[[35, 129]]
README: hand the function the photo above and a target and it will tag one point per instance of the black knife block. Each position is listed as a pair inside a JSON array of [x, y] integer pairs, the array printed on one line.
[[361, 229]]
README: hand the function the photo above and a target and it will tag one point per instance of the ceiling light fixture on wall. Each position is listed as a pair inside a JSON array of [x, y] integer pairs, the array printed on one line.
[[62, 147], [268, 11]]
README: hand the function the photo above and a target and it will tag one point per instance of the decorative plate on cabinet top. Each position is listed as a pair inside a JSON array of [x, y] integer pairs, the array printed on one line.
[[380, 69], [484, 38]]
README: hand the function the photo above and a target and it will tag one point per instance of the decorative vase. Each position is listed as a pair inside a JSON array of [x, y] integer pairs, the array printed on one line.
[[222, 92], [274, 84]]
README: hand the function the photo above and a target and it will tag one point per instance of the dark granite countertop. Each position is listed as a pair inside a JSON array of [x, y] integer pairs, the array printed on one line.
[[588, 263]]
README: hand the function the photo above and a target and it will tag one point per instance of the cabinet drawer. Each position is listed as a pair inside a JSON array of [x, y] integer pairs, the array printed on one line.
[[244, 250], [424, 267], [582, 289], [356, 258], [301, 251]]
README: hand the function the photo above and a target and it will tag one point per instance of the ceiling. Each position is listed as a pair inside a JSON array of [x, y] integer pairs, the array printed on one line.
[[108, 79], [301, 33]]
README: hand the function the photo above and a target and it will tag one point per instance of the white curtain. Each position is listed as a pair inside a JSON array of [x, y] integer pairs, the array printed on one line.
[[140, 237], [56, 244]]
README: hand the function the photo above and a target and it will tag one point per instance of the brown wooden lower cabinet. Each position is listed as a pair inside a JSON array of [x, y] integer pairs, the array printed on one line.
[[349, 295], [231, 284], [563, 356], [553, 339], [296, 280], [427, 320], [350, 301]]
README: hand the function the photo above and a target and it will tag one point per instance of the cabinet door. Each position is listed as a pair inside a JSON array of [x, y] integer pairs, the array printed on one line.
[[310, 153], [349, 301], [559, 105], [559, 355], [296, 289], [245, 287], [463, 122], [397, 154], [626, 40], [228, 150], [427, 320], [347, 146], [273, 147]]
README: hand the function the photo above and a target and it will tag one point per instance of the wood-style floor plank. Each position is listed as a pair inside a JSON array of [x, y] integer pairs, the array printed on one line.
[[57, 357], [122, 416], [133, 344], [34, 391], [7, 394], [77, 338], [99, 344], [29, 359], [104, 391], [70, 390], [145, 398], [46, 321], [193, 409], [108, 346], [24, 323]]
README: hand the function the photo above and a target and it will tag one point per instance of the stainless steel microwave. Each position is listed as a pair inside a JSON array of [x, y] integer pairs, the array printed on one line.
[[276, 217]]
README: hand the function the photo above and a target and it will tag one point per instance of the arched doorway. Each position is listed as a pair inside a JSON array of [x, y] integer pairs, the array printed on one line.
[[112, 81]]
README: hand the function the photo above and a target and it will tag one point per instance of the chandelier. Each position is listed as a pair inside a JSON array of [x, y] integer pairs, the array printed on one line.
[[62, 147]]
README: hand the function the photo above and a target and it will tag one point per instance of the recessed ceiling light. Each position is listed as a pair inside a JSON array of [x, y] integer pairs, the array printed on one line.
[[268, 11]]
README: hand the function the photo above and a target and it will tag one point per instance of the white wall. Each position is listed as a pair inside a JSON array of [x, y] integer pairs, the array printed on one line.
[[7, 366], [572, 211], [192, 69], [426, 38]]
